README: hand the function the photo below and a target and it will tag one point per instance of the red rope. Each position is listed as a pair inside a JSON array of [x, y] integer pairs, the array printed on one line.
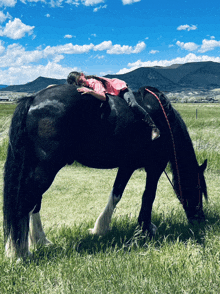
[[172, 138]]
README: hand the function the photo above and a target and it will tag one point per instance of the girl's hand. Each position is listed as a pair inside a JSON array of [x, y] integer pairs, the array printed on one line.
[[85, 90]]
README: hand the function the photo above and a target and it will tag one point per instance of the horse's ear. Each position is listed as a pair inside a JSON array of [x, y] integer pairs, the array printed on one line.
[[203, 166], [142, 91]]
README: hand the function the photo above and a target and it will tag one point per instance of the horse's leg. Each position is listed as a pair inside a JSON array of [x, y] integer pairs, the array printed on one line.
[[36, 233], [144, 218], [43, 177], [103, 221]]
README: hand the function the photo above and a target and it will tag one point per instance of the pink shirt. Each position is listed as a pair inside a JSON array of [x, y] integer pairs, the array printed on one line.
[[112, 86]]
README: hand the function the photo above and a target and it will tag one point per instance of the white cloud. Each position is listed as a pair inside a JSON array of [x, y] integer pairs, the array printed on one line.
[[208, 45], [139, 47], [125, 49], [8, 3], [52, 3], [68, 36], [187, 28], [73, 2], [28, 73], [100, 7], [99, 56], [56, 3], [92, 2], [125, 2], [153, 51], [2, 48], [190, 46], [103, 46], [3, 16], [59, 3], [16, 29], [68, 49], [16, 55], [47, 15], [191, 57], [24, 1]]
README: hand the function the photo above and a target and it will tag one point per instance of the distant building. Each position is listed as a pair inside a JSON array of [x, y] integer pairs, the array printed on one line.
[[5, 99]]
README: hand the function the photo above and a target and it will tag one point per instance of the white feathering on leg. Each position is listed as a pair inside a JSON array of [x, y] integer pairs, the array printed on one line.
[[36, 233], [102, 223]]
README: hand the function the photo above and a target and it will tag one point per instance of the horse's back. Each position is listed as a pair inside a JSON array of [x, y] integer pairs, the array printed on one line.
[[80, 127]]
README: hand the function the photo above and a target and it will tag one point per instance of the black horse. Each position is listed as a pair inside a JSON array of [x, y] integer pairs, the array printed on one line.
[[58, 125]]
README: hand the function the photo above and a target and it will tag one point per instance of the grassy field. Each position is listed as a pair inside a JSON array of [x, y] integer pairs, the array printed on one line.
[[180, 259]]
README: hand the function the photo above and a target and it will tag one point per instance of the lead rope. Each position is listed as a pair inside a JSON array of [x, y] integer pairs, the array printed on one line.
[[174, 147]]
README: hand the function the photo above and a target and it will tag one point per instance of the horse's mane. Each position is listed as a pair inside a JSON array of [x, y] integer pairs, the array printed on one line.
[[182, 151], [180, 144]]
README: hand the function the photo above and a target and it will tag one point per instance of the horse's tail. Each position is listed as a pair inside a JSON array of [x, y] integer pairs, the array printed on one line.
[[15, 166]]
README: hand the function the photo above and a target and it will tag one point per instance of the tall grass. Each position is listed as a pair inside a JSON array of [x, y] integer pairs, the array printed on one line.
[[182, 258]]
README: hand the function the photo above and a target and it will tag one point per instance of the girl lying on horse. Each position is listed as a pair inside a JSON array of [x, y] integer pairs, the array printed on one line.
[[99, 86]]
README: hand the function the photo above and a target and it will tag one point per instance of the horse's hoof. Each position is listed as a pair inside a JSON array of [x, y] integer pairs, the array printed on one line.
[[19, 260], [23, 258], [152, 230], [44, 242], [41, 242], [91, 231], [47, 243], [96, 232]]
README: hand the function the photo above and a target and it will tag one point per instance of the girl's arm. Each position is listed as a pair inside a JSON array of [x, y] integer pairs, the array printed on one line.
[[85, 90]]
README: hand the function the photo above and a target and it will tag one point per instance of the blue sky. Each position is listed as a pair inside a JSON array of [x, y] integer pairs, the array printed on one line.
[[50, 38]]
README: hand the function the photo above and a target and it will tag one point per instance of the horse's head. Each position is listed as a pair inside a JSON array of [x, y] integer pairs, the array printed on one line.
[[192, 203]]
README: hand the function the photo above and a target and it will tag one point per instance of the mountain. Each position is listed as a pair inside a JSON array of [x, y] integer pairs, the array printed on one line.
[[35, 86], [207, 75], [3, 86], [146, 76], [177, 77]]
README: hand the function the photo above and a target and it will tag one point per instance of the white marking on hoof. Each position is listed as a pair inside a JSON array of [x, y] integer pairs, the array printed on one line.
[[101, 226]]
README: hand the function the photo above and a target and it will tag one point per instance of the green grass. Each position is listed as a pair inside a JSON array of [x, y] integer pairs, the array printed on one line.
[[6, 109], [204, 131], [180, 259]]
